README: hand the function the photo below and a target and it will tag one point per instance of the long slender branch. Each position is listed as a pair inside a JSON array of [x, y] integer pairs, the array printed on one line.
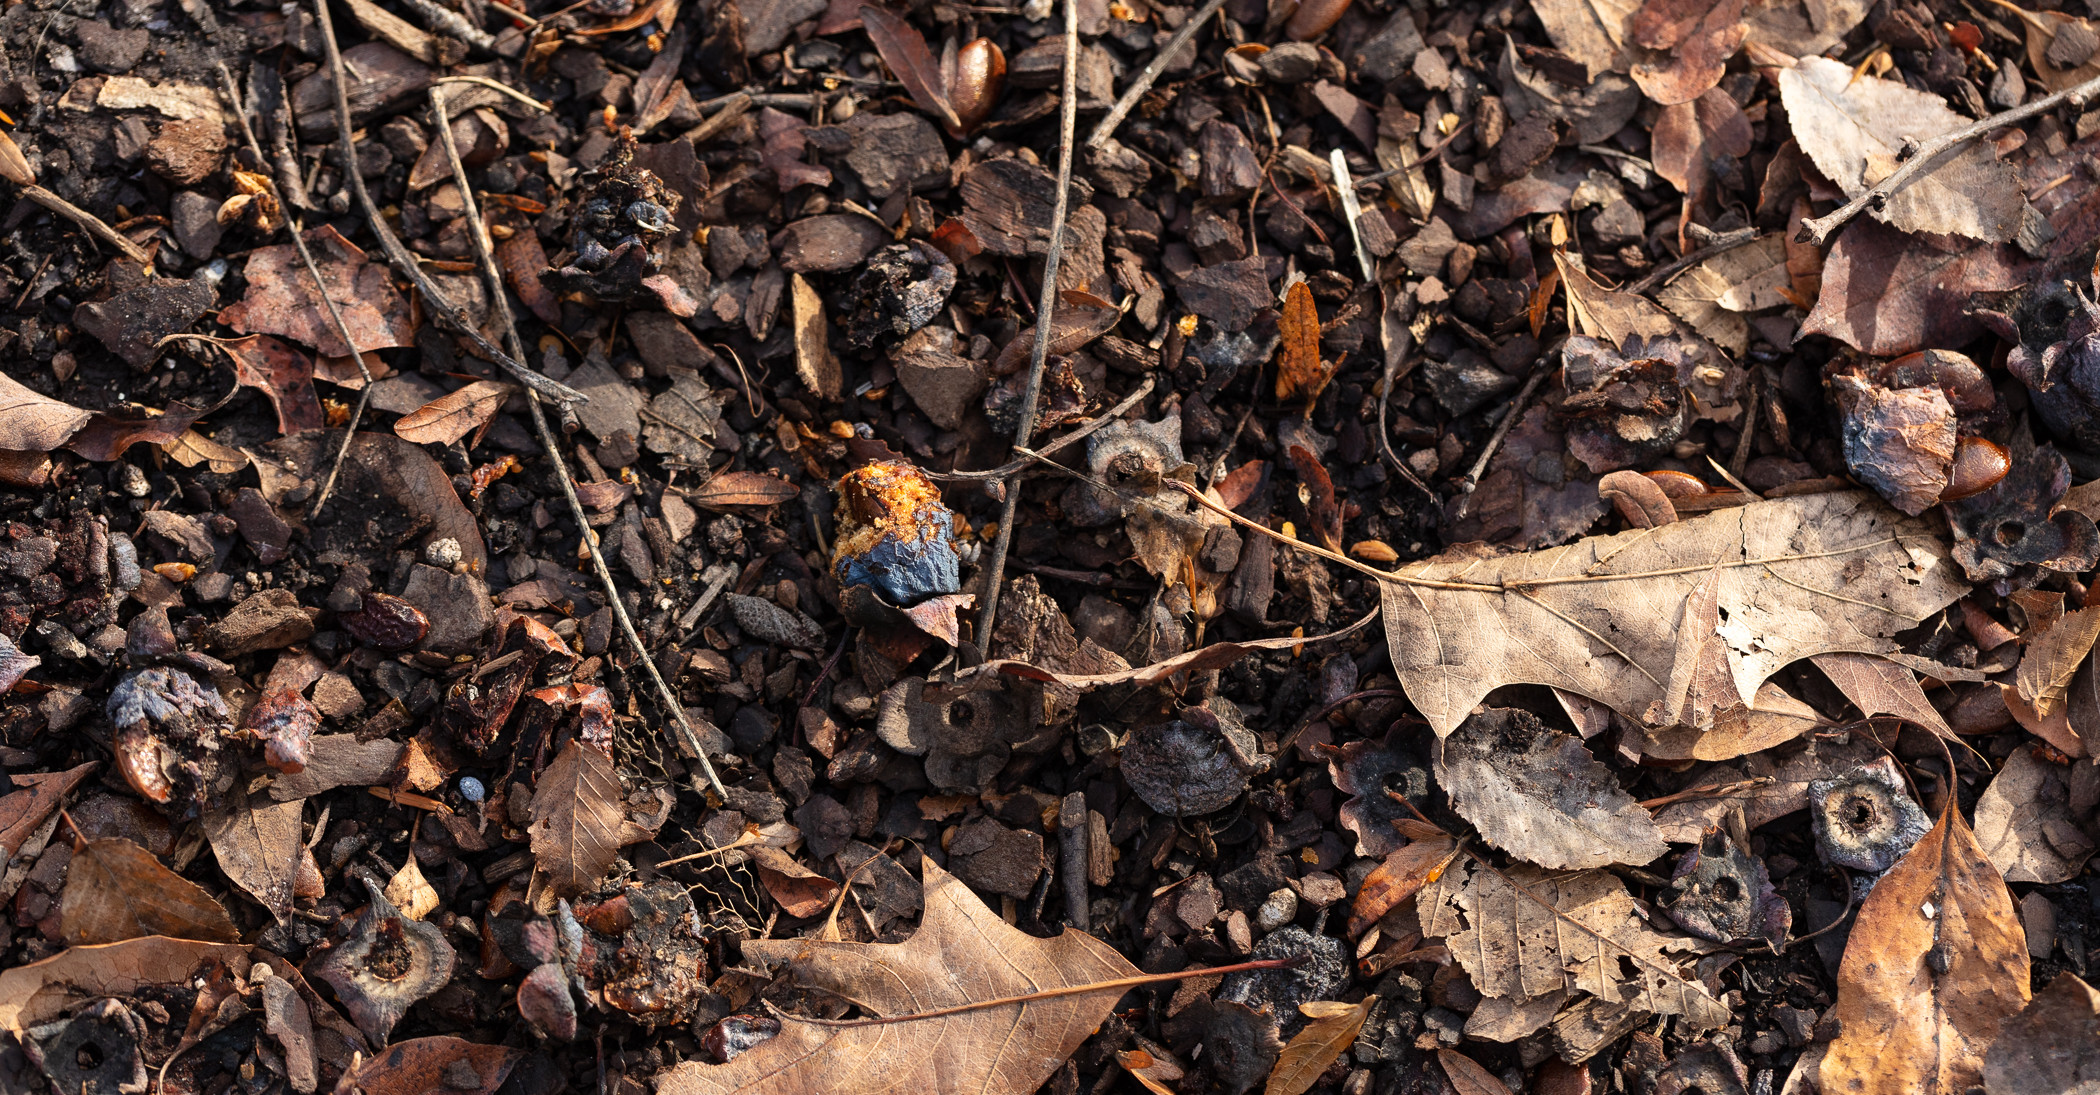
[[494, 277], [313, 270], [1045, 319], [1106, 128], [440, 305], [1087, 989], [1818, 230]]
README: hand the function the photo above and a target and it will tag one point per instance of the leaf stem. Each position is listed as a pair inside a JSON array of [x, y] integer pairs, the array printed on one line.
[[1089, 988]]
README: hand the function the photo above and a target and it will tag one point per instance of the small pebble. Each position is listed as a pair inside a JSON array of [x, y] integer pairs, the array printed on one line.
[[132, 480], [471, 789], [442, 553], [1277, 911]]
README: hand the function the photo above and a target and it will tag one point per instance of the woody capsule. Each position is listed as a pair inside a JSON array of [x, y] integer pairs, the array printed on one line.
[[895, 558]]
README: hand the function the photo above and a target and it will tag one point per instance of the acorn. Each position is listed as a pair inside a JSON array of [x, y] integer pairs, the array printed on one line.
[[1978, 465], [1679, 484], [975, 76], [1313, 18]]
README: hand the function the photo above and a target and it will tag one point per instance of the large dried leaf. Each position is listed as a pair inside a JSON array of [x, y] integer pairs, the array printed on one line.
[[1856, 128], [454, 415], [42, 991], [1797, 577], [1539, 795], [116, 890], [1695, 39], [1333, 1030], [1935, 964], [2052, 1047], [257, 843], [2024, 822], [578, 822], [1886, 293], [962, 953], [2052, 658], [1526, 935]]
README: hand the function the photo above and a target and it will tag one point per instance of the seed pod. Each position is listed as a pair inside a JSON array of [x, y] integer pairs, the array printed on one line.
[[1313, 17], [1978, 465], [387, 622], [1678, 484], [974, 86], [896, 538], [1864, 819]]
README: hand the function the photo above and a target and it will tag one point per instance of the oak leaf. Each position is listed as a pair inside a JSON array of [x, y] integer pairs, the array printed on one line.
[[1857, 130], [961, 954], [1797, 577], [1935, 965]]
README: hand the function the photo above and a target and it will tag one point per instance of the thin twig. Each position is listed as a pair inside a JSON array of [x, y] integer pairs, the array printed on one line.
[[1818, 230], [1045, 317], [1413, 166], [441, 306], [1089, 988], [94, 225], [1726, 241], [1137, 89], [483, 81], [1385, 401], [1539, 372], [494, 277], [306, 257]]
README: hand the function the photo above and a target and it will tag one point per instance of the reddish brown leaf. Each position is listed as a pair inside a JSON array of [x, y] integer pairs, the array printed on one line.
[[904, 50], [1400, 877], [743, 488], [1467, 1076], [116, 890], [1689, 136], [1321, 509], [799, 890], [282, 300], [454, 415], [1887, 293], [24, 810], [274, 368], [578, 822], [522, 259], [422, 1065]]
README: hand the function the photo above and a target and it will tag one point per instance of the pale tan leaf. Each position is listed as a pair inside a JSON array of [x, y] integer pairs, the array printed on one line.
[[1878, 686], [35, 423], [1527, 933], [1856, 128], [193, 448], [1799, 28], [1936, 963], [2053, 656], [256, 842], [1799, 576], [1594, 32], [1711, 295], [411, 892], [578, 824], [814, 361], [454, 415], [2024, 822], [1333, 1030], [961, 954], [116, 890]]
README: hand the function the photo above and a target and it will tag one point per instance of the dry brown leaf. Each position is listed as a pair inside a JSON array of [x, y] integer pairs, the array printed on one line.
[[1594, 32], [1799, 28], [279, 371], [454, 415], [2024, 822], [904, 50], [257, 842], [35, 423], [193, 448], [1887, 293], [2052, 658], [1333, 1030], [962, 953], [798, 890], [116, 890], [1299, 372], [1878, 686], [1713, 295], [25, 810], [441, 1063], [1620, 318], [1467, 1076], [814, 362], [1935, 964], [1399, 877], [1525, 935], [1856, 127], [1686, 140], [411, 892], [2041, 28], [2052, 1047], [1798, 577], [41, 991], [578, 822], [742, 488], [281, 299], [1539, 795], [1696, 37]]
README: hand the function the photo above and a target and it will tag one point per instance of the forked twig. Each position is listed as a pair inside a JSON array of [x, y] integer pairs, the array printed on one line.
[[1045, 318], [494, 277], [1818, 230], [313, 270]]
